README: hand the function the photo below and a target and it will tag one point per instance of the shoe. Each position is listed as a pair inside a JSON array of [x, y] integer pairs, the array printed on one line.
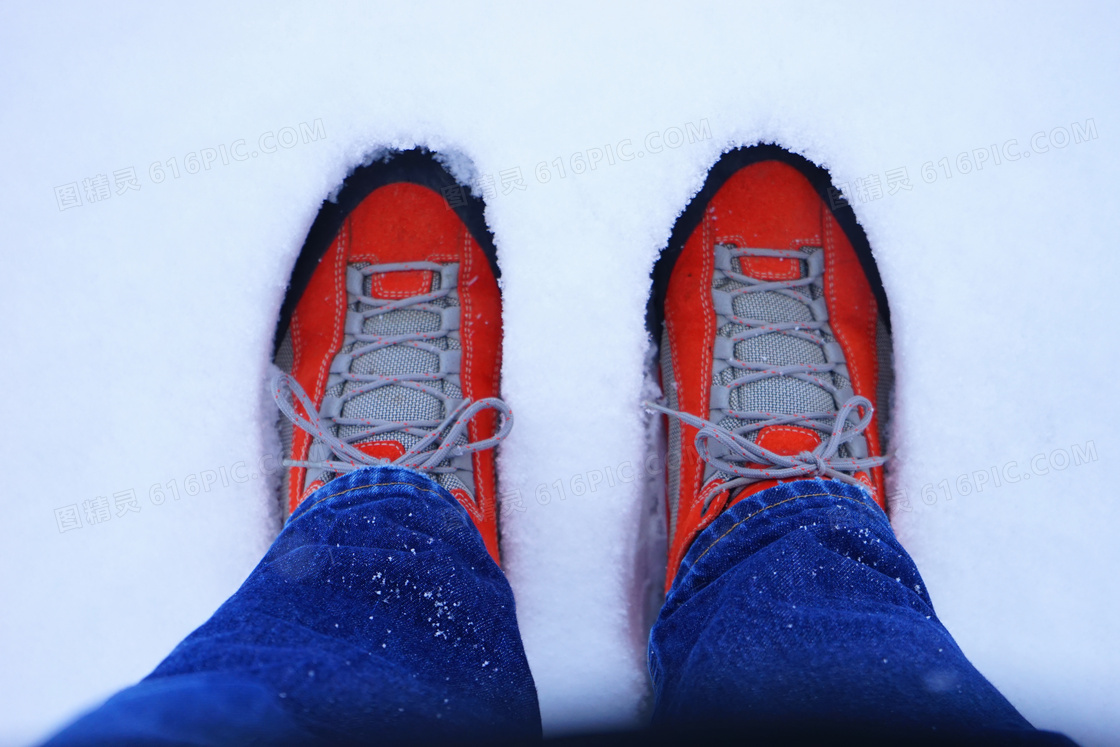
[[388, 349], [774, 342]]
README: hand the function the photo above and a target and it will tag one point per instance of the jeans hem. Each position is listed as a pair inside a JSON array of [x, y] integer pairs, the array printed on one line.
[[370, 477], [781, 497]]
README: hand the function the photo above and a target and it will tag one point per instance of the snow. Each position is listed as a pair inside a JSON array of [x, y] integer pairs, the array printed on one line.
[[136, 329]]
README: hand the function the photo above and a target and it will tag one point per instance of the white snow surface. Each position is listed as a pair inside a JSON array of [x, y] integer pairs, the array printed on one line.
[[136, 329]]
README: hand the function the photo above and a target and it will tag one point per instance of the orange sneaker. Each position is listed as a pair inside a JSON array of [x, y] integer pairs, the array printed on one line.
[[774, 342], [390, 338]]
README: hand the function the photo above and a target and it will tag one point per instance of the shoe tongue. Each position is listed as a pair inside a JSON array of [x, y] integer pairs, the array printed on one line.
[[787, 440], [395, 402], [783, 395]]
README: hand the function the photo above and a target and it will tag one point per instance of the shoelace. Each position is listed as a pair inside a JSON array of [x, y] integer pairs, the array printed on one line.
[[440, 440], [735, 453], [739, 452]]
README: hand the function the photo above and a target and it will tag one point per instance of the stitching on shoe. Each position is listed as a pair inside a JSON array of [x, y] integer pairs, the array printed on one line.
[[466, 387], [855, 374], [707, 269], [790, 429], [797, 244]]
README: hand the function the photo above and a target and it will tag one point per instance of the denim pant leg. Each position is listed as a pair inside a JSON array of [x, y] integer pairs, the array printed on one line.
[[376, 614], [798, 606]]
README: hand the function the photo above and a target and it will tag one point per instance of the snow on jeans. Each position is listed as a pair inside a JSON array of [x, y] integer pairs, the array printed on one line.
[[378, 613]]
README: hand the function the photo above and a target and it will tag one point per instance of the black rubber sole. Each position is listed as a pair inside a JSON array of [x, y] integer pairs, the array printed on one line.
[[418, 166], [723, 169]]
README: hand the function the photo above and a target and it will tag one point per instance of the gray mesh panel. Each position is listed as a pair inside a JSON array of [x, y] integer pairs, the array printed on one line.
[[770, 306], [778, 350], [284, 355], [885, 350], [398, 359], [400, 322], [393, 403], [782, 395], [284, 361], [669, 382]]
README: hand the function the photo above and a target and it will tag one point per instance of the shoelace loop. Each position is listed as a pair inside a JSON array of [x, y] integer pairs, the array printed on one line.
[[427, 455], [738, 453]]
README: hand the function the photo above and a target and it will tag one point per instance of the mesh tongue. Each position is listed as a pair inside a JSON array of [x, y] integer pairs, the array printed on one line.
[[779, 395], [396, 402]]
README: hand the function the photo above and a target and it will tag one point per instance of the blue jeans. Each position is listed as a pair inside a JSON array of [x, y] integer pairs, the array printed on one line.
[[378, 614]]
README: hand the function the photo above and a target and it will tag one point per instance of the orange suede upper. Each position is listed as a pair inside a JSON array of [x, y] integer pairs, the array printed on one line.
[[405, 222], [765, 205]]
